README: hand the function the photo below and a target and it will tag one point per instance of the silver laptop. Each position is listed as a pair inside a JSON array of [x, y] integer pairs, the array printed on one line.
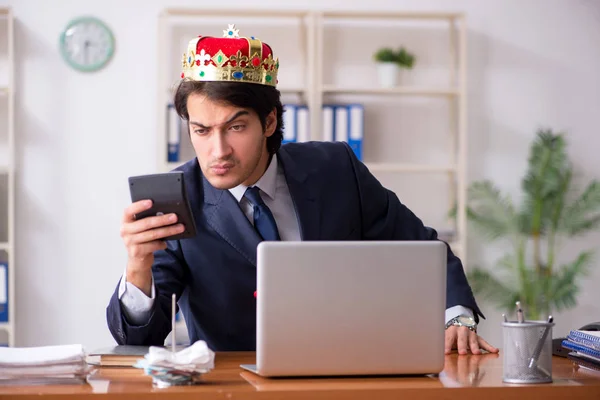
[[350, 308]]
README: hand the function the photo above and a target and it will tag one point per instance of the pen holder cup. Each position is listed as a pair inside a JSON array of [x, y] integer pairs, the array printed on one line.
[[527, 352]]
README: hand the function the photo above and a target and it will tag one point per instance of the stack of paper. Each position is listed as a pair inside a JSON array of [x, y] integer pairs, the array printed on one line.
[[184, 367], [43, 365], [585, 346]]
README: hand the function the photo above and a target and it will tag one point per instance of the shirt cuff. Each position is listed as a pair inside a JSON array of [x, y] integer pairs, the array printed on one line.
[[135, 304], [455, 311]]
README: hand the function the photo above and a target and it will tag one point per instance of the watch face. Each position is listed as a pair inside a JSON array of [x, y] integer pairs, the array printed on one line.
[[87, 44], [468, 321]]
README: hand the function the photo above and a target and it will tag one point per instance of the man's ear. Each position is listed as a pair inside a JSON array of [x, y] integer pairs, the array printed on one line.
[[271, 123]]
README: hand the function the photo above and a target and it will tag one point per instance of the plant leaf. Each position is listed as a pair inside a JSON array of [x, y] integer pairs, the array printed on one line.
[[493, 214], [490, 288], [564, 283], [547, 166], [582, 214]]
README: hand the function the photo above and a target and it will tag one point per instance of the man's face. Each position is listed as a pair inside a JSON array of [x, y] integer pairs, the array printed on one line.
[[229, 141]]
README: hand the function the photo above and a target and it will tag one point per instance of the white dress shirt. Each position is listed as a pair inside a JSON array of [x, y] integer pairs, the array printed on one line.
[[276, 195]]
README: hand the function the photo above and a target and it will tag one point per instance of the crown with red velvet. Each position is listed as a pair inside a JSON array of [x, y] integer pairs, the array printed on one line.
[[230, 58]]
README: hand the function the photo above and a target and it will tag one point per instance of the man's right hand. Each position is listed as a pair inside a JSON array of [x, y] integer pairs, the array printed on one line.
[[142, 238]]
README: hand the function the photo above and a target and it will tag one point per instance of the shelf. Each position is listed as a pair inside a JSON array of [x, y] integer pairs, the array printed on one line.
[[315, 26], [392, 167], [254, 12], [269, 12], [406, 90], [392, 15]]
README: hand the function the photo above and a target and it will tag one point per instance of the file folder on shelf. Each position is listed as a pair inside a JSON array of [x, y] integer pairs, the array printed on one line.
[[3, 292], [356, 126], [341, 125], [348, 126], [302, 124], [289, 123], [328, 122], [173, 134]]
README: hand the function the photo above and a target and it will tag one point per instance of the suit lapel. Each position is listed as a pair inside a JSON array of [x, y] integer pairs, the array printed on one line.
[[304, 196], [224, 215]]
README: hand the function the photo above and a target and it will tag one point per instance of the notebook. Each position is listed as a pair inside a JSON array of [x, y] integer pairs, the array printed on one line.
[[590, 339], [583, 351], [117, 356]]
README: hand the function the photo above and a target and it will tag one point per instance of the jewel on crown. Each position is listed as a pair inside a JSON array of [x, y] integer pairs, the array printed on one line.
[[230, 58]]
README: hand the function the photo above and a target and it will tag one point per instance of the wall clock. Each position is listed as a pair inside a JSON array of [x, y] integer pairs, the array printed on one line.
[[87, 44]]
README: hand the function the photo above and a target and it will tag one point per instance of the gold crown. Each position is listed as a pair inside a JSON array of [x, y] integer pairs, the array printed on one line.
[[231, 59]]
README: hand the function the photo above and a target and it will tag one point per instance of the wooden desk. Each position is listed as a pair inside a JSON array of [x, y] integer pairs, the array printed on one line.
[[464, 377]]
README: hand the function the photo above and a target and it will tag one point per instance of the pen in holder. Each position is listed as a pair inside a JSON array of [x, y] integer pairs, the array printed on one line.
[[528, 351]]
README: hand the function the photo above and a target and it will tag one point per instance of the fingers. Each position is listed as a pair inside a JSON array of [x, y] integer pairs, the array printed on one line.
[[465, 341], [462, 340], [486, 346], [473, 343], [134, 208], [152, 235], [148, 223], [450, 339]]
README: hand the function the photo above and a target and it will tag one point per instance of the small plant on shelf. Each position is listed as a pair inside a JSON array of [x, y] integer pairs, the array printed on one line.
[[389, 63], [385, 55]]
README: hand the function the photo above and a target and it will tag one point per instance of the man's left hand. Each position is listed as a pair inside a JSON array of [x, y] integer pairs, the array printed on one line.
[[465, 340]]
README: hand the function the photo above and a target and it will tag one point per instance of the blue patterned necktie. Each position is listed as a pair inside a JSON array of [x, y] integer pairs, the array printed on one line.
[[264, 222]]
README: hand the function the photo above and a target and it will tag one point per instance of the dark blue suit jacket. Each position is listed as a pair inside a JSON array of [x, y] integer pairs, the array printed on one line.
[[214, 274]]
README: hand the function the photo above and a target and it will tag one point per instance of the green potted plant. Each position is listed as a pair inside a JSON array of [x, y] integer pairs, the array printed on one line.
[[389, 63], [551, 211]]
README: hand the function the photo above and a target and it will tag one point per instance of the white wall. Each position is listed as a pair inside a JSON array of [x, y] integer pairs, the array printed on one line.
[[532, 63]]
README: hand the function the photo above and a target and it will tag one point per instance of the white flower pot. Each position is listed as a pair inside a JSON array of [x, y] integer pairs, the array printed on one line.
[[388, 74]]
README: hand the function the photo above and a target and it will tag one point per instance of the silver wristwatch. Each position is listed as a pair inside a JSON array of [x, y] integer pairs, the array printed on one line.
[[463, 320]]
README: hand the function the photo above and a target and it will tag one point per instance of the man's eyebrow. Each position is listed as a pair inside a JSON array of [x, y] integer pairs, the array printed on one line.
[[233, 118]]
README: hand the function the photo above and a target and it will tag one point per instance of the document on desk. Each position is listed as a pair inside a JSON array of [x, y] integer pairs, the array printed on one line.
[[43, 355], [42, 365]]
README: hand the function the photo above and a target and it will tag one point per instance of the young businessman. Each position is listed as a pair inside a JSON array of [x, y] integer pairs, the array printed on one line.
[[245, 187]]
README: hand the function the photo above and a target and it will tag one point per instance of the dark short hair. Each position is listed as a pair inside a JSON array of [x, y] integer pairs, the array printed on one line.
[[260, 98]]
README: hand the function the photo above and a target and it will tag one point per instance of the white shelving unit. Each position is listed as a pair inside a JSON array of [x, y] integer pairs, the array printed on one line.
[[314, 52], [7, 168]]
